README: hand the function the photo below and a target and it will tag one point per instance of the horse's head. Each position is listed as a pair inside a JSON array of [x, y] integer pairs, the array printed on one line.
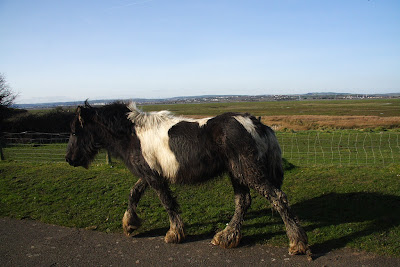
[[83, 144]]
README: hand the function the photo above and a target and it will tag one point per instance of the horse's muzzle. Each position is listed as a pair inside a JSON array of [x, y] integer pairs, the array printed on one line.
[[71, 162], [77, 163]]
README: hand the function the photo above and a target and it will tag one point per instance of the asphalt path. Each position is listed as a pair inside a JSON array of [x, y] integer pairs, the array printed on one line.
[[32, 243]]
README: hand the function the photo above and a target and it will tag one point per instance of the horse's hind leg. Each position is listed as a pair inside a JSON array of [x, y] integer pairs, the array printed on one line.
[[298, 241], [130, 221], [231, 235]]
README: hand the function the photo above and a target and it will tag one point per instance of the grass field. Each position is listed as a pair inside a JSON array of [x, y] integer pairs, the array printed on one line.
[[370, 107], [376, 114], [375, 107], [339, 204], [356, 207]]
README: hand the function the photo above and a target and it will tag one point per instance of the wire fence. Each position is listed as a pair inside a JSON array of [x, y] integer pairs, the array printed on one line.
[[39, 147], [340, 148], [337, 148]]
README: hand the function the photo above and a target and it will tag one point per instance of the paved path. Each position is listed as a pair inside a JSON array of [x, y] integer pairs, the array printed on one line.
[[32, 243]]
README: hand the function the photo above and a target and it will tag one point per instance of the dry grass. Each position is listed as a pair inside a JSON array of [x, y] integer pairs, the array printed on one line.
[[322, 122], [316, 122]]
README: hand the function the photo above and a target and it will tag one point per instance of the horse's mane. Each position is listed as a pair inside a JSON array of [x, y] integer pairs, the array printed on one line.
[[113, 116], [148, 119]]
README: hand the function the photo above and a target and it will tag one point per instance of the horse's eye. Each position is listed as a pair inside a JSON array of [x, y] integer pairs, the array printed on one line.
[[73, 134]]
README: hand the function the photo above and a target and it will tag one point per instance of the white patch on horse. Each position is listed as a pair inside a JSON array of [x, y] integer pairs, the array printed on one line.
[[261, 141], [152, 119], [152, 130]]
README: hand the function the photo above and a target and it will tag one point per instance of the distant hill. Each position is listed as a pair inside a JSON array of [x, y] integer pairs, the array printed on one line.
[[216, 99]]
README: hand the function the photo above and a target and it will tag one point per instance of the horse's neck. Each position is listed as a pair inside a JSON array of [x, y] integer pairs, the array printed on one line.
[[113, 142]]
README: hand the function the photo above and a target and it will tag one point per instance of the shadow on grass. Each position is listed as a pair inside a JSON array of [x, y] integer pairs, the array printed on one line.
[[377, 212]]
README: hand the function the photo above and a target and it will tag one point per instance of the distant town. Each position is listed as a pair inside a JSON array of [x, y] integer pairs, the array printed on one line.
[[219, 99]]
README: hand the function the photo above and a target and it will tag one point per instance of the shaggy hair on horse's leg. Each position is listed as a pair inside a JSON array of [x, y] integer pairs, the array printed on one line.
[[298, 241], [176, 233], [230, 237], [130, 221]]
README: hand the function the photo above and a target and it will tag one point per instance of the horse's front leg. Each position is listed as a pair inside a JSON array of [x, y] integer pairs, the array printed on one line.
[[230, 237], [131, 221], [176, 232]]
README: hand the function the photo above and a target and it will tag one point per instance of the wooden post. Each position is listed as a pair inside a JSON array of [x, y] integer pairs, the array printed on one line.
[[2, 141], [108, 157]]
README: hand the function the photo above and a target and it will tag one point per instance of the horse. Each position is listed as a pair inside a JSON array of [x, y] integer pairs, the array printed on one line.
[[161, 148]]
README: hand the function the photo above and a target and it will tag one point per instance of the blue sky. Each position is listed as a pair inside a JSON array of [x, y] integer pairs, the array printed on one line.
[[72, 50]]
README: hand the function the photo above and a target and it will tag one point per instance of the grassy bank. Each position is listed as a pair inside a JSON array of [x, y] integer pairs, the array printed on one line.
[[357, 207]]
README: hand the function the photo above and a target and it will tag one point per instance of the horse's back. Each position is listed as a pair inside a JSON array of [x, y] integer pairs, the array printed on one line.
[[204, 149], [223, 143], [195, 151]]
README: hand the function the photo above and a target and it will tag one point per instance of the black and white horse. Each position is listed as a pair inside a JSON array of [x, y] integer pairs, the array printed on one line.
[[161, 148]]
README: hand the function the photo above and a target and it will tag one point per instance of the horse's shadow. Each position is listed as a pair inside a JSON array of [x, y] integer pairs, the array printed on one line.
[[160, 232], [376, 211]]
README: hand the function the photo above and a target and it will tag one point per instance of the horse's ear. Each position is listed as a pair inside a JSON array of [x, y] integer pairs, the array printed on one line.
[[87, 105]]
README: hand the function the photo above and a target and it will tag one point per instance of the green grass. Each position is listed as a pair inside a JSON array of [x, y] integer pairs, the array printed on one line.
[[356, 207], [375, 107], [36, 152]]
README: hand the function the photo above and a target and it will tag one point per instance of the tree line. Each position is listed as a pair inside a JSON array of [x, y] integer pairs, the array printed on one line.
[[20, 120]]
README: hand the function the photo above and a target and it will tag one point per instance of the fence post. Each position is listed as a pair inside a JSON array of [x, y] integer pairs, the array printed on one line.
[[1, 147], [108, 157]]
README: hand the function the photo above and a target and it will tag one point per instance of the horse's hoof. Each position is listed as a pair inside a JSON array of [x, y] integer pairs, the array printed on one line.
[[174, 236], [227, 238], [130, 223], [299, 247]]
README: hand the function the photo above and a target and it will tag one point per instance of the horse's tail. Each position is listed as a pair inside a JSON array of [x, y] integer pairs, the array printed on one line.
[[269, 152], [272, 157]]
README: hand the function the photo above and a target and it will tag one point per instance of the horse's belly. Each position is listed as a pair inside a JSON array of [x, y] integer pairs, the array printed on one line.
[[198, 170]]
